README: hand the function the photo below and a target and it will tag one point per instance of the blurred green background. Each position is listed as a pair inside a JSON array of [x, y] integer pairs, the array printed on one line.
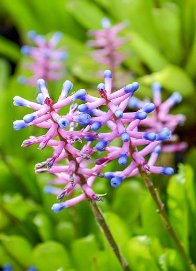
[[161, 46]]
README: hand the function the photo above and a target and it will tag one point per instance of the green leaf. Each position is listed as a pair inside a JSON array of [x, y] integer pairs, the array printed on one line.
[[50, 256], [4, 73], [9, 49], [173, 78], [147, 52], [65, 232], [17, 248], [87, 13], [88, 245], [139, 254], [44, 226]]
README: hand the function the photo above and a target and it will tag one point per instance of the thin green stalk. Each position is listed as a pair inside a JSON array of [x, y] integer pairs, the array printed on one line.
[[160, 205]]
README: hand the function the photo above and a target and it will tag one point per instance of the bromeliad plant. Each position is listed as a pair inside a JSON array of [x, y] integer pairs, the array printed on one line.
[[45, 59], [90, 129]]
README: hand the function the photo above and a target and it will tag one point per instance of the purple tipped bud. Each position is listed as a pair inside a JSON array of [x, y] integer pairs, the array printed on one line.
[[140, 115], [32, 268], [40, 98], [109, 175], [175, 98], [123, 160], [41, 84], [57, 36], [83, 108], [148, 107], [100, 146], [106, 23], [32, 35], [119, 114], [19, 101], [58, 207], [67, 86], [19, 124], [84, 119], [49, 189], [116, 181], [29, 118], [7, 267], [63, 122], [96, 125], [167, 171], [165, 134], [131, 88], [101, 86], [107, 74], [156, 87], [26, 50], [22, 80], [157, 149], [149, 136], [134, 102], [89, 138], [125, 136], [80, 95]]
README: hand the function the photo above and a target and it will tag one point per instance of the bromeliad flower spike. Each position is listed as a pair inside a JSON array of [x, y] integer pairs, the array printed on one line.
[[136, 151], [45, 58]]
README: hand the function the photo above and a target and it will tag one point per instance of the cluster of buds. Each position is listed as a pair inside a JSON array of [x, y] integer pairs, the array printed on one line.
[[161, 118], [8, 267], [99, 126], [107, 45], [45, 59]]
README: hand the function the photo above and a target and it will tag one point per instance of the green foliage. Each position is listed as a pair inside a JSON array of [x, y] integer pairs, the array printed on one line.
[[161, 46]]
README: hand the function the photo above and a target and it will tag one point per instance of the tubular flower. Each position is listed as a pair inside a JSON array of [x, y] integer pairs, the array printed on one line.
[[106, 45], [45, 59], [8, 267], [136, 151], [160, 118]]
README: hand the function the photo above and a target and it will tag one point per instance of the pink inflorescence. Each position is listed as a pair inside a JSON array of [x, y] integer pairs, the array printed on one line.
[[86, 124], [45, 61], [107, 46], [161, 117]]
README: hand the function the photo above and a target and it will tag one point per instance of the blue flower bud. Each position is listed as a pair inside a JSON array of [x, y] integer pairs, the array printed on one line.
[[101, 86], [67, 86], [80, 95], [118, 114], [148, 107], [123, 159], [140, 115], [18, 101], [63, 122], [156, 87], [149, 136], [26, 50], [176, 98], [29, 118], [116, 181], [125, 136], [58, 207], [96, 125], [19, 124], [167, 171], [32, 268], [165, 134], [83, 108], [7, 267], [49, 189], [84, 119], [109, 175], [105, 22], [22, 80], [131, 88], [40, 98], [89, 138], [57, 36], [134, 102], [107, 74], [157, 149], [100, 146], [32, 35], [41, 84], [63, 56]]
